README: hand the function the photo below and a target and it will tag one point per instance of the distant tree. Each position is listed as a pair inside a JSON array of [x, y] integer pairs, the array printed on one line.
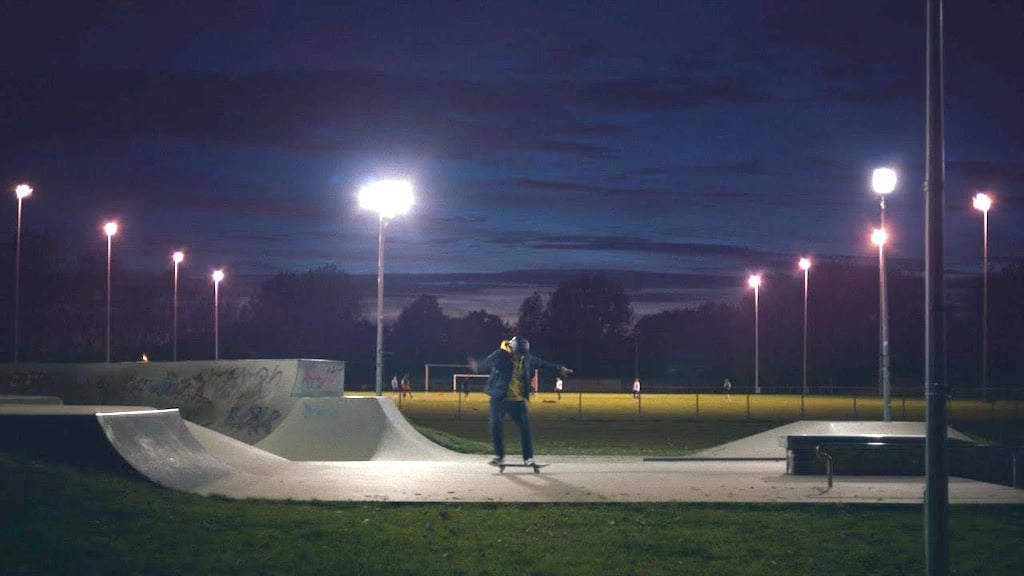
[[418, 335], [309, 315], [531, 317], [475, 335], [1006, 325], [691, 347], [587, 321]]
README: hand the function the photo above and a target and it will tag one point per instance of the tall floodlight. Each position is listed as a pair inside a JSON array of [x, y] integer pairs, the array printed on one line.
[[22, 191], [388, 198], [218, 275], [110, 228], [883, 182], [755, 282], [879, 238], [983, 202], [177, 257], [805, 265]]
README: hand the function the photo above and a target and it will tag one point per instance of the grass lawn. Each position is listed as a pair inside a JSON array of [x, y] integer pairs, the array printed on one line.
[[63, 521]]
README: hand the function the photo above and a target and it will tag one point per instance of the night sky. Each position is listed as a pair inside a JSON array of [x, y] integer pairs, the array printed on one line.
[[678, 145]]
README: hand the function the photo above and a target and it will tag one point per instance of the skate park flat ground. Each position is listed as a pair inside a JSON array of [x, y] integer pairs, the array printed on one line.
[[181, 455]]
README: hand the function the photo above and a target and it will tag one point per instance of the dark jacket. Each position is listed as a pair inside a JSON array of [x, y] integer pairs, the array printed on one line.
[[499, 363]]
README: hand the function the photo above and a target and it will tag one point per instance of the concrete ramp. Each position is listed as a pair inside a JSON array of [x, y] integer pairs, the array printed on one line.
[[157, 445], [772, 443], [347, 429], [126, 440]]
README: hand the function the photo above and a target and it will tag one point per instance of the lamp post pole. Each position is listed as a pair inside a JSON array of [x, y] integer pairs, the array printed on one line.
[[379, 363], [755, 282], [218, 275], [110, 228], [177, 257], [984, 311], [883, 181], [805, 265], [22, 191], [983, 202], [879, 237], [388, 198]]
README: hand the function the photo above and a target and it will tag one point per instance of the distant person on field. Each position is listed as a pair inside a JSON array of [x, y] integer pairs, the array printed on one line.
[[558, 387], [636, 388], [465, 387], [508, 386], [406, 388], [727, 388], [394, 386]]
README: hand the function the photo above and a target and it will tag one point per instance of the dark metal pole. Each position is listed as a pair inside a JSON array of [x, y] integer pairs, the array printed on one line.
[[936, 513], [216, 320], [883, 300], [17, 280], [175, 313], [984, 312], [806, 271], [379, 382], [108, 296], [757, 345]]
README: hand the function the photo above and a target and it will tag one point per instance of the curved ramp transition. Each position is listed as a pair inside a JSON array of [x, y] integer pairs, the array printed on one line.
[[352, 428]]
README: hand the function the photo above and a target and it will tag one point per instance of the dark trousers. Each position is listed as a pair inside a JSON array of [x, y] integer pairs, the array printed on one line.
[[520, 414]]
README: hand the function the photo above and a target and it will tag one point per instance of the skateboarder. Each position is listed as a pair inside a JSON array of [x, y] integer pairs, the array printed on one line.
[[508, 386]]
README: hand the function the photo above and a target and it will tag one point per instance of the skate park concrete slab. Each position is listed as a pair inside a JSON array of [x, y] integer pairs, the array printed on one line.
[[160, 446]]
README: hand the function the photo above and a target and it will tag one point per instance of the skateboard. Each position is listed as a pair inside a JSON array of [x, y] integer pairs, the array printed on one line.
[[536, 467]]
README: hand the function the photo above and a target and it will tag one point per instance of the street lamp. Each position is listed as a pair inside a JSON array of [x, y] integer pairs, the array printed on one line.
[[755, 282], [388, 198], [110, 228], [879, 237], [218, 275], [805, 265], [983, 202], [883, 182], [177, 257], [22, 191]]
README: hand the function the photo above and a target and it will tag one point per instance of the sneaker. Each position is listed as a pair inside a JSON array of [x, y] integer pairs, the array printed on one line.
[[528, 462], [497, 461]]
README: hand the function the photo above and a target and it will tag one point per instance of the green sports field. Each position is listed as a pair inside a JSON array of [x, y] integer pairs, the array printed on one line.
[[676, 424], [772, 407]]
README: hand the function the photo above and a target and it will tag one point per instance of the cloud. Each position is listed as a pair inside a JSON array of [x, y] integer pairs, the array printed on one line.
[[640, 245], [656, 94]]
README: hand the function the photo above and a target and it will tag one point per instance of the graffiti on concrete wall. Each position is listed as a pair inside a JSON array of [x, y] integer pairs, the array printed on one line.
[[320, 379], [253, 420], [220, 385]]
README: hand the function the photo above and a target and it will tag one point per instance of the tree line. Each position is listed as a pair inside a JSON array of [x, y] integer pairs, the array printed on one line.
[[587, 322]]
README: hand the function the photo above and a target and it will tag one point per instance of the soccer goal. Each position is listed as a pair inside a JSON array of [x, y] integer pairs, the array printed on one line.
[[458, 379]]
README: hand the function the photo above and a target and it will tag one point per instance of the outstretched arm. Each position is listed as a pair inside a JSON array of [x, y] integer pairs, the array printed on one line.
[[542, 363]]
